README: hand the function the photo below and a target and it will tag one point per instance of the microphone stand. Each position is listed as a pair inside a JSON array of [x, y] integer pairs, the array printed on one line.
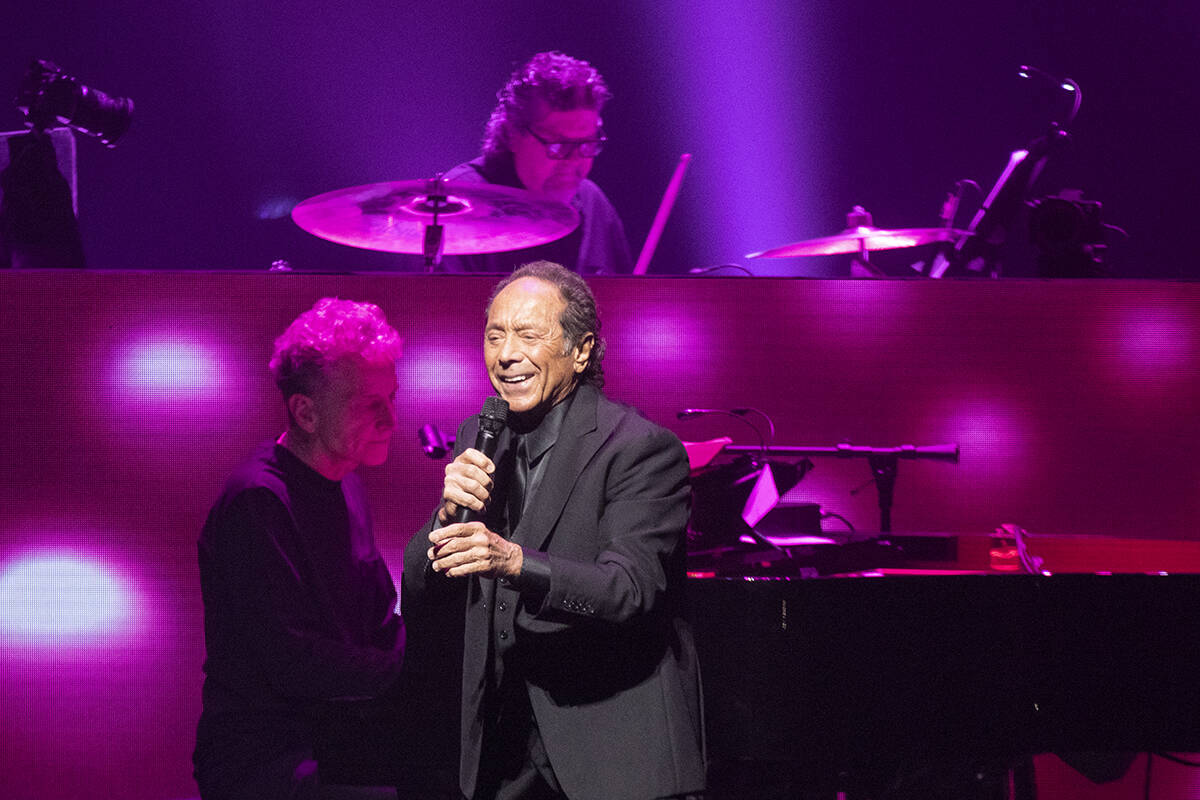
[[883, 461]]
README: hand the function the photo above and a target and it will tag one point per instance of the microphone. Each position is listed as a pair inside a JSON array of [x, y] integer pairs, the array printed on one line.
[[491, 423], [738, 413], [688, 413]]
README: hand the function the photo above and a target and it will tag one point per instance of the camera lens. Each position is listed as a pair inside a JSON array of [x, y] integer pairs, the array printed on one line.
[[48, 96]]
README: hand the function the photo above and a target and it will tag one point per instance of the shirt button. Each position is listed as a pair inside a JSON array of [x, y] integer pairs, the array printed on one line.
[[503, 634], [503, 606]]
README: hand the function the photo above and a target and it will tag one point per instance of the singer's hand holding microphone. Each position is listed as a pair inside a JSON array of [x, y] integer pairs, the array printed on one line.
[[465, 546], [467, 486]]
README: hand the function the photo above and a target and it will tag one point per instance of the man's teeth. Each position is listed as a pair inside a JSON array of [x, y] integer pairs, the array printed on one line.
[[516, 379]]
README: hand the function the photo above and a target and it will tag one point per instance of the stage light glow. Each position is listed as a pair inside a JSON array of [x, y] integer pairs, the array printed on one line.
[[277, 207], [57, 598], [1154, 341], [991, 433], [662, 339], [749, 86], [168, 368]]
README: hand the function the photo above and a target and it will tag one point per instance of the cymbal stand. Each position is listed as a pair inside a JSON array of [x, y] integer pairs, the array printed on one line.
[[435, 240], [860, 262]]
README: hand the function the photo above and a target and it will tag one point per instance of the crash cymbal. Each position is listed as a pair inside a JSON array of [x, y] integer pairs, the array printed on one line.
[[477, 217], [862, 237]]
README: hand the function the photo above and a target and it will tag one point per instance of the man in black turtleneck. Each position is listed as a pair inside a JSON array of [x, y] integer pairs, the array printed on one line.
[[543, 136], [299, 607]]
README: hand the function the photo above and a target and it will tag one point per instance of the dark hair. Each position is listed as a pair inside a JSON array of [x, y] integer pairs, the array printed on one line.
[[330, 330], [562, 82], [578, 319]]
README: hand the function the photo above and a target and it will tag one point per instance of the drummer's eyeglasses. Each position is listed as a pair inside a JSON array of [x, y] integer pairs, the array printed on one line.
[[587, 148]]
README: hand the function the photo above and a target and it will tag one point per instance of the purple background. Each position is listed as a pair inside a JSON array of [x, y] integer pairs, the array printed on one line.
[[130, 397], [794, 112]]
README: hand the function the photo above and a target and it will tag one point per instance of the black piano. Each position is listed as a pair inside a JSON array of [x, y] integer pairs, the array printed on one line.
[[941, 685]]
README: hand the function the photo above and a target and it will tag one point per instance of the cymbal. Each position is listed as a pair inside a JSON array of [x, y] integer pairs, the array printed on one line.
[[862, 237], [477, 217]]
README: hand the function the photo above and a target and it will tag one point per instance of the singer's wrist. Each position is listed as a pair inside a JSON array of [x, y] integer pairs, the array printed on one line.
[[516, 560], [533, 578]]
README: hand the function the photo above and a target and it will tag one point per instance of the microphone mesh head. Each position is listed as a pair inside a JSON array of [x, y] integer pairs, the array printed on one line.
[[494, 414]]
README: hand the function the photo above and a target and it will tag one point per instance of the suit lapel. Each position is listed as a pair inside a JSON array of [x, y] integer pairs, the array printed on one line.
[[578, 441]]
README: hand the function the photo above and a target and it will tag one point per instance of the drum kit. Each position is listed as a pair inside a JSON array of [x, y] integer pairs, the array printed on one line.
[[435, 217]]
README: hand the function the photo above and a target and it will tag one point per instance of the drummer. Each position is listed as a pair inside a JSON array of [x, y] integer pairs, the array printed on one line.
[[543, 136]]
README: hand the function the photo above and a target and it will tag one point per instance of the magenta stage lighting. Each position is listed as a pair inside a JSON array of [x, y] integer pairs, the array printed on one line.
[[442, 381], [749, 89], [63, 599], [993, 434], [1154, 344], [663, 338], [166, 370]]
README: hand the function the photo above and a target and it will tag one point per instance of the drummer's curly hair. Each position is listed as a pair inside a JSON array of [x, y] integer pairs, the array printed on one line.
[[562, 82], [579, 317]]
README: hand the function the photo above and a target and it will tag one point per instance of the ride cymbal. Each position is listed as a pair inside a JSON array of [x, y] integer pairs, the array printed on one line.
[[477, 217]]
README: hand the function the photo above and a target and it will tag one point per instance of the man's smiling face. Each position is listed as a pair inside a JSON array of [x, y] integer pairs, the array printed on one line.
[[524, 349]]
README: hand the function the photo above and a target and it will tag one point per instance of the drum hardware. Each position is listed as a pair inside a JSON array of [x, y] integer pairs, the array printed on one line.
[[859, 238]]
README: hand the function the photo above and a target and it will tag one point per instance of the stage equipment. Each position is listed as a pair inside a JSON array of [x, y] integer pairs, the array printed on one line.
[[661, 216], [492, 419], [884, 463], [434, 442], [48, 96], [435, 217], [737, 503], [980, 252], [39, 200], [859, 238], [923, 686], [730, 500], [736, 413], [1069, 236]]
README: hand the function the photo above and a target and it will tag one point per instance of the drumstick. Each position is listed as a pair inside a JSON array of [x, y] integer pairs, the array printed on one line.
[[660, 218]]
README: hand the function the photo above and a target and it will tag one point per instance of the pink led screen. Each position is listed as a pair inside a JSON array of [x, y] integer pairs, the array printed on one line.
[[129, 397]]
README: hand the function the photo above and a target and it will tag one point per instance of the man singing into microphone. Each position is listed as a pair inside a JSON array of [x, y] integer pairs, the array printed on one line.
[[580, 678]]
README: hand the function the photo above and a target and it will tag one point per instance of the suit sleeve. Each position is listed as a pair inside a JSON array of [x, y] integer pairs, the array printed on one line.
[[642, 533], [286, 635], [419, 584]]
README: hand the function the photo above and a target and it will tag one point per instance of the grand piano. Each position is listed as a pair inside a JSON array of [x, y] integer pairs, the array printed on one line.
[[928, 666]]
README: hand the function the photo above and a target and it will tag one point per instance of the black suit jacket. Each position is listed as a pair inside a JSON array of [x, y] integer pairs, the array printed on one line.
[[606, 656]]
